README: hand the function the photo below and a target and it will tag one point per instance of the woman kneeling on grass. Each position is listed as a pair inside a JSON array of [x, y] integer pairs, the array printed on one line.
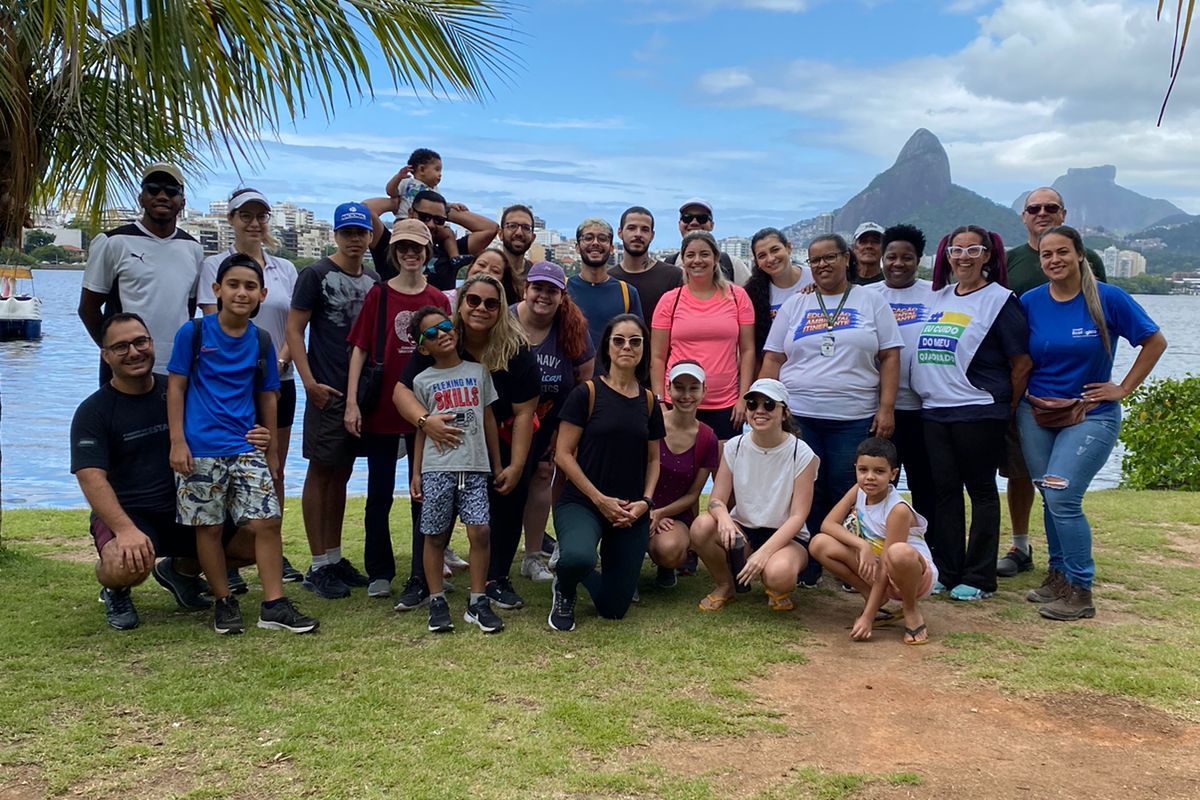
[[771, 473], [888, 559]]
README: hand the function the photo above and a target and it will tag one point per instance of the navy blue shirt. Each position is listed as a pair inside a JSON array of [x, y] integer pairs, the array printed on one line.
[[600, 302]]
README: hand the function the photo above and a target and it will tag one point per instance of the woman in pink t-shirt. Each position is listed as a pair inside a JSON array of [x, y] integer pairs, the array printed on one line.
[[710, 321]]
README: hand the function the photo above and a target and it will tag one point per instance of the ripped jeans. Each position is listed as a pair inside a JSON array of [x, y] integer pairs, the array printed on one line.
[[1062, 462]]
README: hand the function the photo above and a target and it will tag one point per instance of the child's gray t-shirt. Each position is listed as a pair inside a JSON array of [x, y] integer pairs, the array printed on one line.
[[464, 391]]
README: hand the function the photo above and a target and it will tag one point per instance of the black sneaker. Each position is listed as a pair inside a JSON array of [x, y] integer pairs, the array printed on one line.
[[119, 612], [415, 595], [502, 593], [227, 616], [283, 616], [290, 573], [665, 578], [549, 545], [348, 574], [690, 564], [439, 616], [324, 582], [1014, 562], [480, 613], [810, 576], [848, 589], [562, 609], [188, 590], [237, 584]]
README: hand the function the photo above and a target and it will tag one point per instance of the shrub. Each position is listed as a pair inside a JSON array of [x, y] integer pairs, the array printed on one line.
[[1161, 434]]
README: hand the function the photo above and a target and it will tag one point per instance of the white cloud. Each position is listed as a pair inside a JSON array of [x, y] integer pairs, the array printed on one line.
[[717, 81], [609, 123]]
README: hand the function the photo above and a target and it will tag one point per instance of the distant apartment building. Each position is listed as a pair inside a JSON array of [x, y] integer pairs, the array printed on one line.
[[289, 215], [564, 252], [736, 247]]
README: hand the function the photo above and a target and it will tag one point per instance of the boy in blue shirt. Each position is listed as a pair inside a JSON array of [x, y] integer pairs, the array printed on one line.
[[219, 384]]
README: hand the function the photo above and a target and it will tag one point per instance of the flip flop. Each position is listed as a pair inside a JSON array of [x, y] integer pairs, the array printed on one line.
[[781, 601], [883, 618], [715, 602], [913, 633]]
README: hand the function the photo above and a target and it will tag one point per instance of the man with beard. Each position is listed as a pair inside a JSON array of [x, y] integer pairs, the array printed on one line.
[[697, 215], [1044, 209], [516, 236], [650, 277], [148, 267], [868, 251], [599, 295]]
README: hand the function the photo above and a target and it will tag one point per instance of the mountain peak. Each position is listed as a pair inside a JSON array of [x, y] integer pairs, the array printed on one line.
[[924, 146], [1106, 173], [922, 170], [1094, 199]]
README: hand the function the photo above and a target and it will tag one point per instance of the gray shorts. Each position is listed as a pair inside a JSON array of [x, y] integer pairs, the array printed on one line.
[[450, 493], [326, 440], [239, 486]]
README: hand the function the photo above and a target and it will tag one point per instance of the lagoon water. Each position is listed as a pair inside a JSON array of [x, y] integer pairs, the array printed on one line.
[[43, 382]]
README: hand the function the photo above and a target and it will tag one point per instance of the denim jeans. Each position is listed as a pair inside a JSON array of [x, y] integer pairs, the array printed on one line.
[[834, 441], [1062, 462]]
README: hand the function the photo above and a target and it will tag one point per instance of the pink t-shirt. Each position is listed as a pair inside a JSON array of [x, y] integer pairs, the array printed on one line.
[[706, 331]]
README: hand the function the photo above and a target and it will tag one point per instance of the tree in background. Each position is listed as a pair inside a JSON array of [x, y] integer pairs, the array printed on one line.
[[36, 238]]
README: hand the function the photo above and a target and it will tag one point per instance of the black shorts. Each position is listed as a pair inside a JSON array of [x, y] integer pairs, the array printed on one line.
[[326, 440], [1013, 466], [758, 537], [170, 538], [718, 420], [286, 408]]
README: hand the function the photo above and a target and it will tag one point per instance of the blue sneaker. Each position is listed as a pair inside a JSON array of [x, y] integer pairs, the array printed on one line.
[[237, 584], [968, 593], [324, 582], [938, 588]]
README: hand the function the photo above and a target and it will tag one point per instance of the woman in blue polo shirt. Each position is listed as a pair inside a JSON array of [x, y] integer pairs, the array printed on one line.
[[1071, 413]]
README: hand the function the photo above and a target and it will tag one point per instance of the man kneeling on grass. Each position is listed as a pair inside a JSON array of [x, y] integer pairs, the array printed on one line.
[[119, 455], [222, 374]]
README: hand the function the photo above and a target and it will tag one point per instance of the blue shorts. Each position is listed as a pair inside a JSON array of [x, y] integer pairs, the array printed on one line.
[[449, 493]]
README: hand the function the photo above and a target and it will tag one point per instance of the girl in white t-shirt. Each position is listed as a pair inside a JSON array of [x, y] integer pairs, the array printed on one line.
[[887, 557], [770, 472]]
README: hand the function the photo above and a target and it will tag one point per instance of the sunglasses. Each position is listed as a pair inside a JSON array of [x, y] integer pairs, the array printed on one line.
[[434, 218], [768, 405], [433, 331], [688, 219], [1038, 208], [475, 301], [974, 251], [152, 188], [634, 342], [141, 343]]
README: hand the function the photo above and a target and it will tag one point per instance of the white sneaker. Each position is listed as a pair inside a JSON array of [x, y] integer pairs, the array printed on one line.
[[533, 568], [552, 564], [452, 561]]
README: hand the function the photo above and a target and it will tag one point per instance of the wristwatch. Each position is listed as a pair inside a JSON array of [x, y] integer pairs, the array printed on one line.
[[649, 503], [421, 420]]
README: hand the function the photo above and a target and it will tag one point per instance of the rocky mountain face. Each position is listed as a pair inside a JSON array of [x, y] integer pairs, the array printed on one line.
[[1094, 199]]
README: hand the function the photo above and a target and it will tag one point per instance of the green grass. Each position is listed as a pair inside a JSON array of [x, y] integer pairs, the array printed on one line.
[[374, 706]]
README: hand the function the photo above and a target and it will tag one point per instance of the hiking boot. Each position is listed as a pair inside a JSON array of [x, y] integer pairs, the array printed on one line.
[[324, 582], [1052, 587], [439, 616], [562, 609], [453, 561], [414, 595], [501, 592], [186, 589], [535, 569], [665, 578], [1014, 562], [237, 584], [119, 612], [348, 574], [227, 616], [283, 616], [480, 613], [290, 573], [1074, 603]]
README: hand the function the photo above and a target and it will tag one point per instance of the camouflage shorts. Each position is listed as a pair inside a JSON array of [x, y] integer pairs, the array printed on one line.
[[239, 486]]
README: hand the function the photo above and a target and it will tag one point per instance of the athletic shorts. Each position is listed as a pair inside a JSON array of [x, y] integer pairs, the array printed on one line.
[[286, 408], [326, 440], [447, 494], [1012, 466], [718, 420], [758, 537], [168, 536], [240, 486]]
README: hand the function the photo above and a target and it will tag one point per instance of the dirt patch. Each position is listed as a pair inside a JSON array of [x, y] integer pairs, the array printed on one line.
[[882, 708], [1184, 539], [75, 550], [21, 782]]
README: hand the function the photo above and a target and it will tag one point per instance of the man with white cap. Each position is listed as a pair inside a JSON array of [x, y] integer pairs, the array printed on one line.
[[697, 215], [868, 251], [148, 267]]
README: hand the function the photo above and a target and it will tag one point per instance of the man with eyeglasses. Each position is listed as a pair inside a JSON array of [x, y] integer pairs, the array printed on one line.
[[651, 277], [516, 237], [1044, 209], [148, 267], [697, 215], [120, 449], [599, 295]]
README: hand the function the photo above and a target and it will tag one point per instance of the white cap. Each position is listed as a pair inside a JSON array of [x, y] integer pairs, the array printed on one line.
[[696, 201], [686, 368], [868, 227], [251, 196], [768, 387]]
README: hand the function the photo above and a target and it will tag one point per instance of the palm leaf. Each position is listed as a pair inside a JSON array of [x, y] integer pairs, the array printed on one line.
[[1183, 19]]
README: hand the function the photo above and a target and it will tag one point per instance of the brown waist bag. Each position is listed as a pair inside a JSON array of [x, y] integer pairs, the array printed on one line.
[[1059, 412]]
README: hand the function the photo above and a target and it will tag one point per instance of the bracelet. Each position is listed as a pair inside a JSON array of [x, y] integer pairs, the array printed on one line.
[[421, 420], [649, 503]]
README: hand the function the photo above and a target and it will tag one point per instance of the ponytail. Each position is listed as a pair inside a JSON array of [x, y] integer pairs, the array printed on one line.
[[1087, 281]]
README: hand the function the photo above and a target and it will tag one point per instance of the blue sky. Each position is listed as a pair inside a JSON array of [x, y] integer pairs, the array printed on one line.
[[774, 110]]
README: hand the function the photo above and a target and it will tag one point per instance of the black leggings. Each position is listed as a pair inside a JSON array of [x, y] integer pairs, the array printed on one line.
[[379, 559], [909, 438]]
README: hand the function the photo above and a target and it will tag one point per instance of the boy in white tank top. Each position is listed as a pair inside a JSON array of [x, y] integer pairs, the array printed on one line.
[[887, 558]]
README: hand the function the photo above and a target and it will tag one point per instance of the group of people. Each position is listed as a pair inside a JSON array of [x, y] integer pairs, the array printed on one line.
[[607, 400]]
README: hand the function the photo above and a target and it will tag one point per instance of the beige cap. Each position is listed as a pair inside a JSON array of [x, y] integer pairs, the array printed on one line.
[[411, 230], [165, 168]]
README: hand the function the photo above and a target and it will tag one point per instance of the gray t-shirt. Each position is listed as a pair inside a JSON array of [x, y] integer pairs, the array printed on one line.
[[464, 391], [334, 298]]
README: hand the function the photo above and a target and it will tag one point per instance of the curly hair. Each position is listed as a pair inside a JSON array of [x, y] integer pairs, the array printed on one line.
[[573, 336], [758, 288], [506, 337]]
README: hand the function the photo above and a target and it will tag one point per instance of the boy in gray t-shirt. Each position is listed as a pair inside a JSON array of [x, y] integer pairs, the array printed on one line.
[[455, 478]]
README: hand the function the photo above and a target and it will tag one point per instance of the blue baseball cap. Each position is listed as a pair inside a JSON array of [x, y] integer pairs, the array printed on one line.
[[352, 215]]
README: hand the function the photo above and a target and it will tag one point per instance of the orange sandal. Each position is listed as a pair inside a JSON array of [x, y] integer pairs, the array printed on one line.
[[715, 602], [780, 601]]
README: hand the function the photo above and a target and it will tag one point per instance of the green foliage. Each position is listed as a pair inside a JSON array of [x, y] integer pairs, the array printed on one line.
[[964, 207], [52, 254], [37, 238], [14, 257], [1161, 434], [1143, 284]]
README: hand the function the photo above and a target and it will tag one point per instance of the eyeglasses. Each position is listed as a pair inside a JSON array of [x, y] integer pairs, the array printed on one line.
[[768, 405], [1037, 208], [634, 342], [475, 301], [602, 238], [688, 219], [434, 218], [830, 258], [974, 251], [249, 216], [141, 343], [518, 226], [152, 188], [433, 331]]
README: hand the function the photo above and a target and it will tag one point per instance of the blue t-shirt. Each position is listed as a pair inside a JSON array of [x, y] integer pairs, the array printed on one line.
[[600, 302], [1065, 346], [220, 394]]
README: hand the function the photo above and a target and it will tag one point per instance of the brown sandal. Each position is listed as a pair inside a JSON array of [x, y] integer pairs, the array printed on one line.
[[715, 602], [780, 601]]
